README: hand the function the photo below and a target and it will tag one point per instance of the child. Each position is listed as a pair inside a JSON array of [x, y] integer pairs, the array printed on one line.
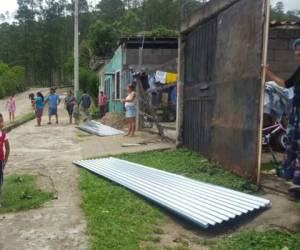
[[11, 108], [31, 97], [76, 112], [3, 154], [39, 107]]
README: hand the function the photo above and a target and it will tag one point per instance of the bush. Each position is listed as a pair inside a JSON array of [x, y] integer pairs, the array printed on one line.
[[89, 81], [12, 80]]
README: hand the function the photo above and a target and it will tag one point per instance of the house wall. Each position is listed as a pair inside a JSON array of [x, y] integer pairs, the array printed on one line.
[[111, 69], [281, 55], [152, 58]]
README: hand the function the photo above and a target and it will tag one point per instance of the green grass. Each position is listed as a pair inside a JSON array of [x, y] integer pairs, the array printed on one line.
[[119, 219], [268, 166], [253, 240], [116, 218], [190, 164], [22, 193], [19, 121]]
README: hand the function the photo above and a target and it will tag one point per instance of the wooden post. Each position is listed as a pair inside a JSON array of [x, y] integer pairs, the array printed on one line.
[[138, 91], [180, 89], [263, 80]]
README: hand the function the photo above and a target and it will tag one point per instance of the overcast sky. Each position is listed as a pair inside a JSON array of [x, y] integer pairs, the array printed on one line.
[[11, 5]]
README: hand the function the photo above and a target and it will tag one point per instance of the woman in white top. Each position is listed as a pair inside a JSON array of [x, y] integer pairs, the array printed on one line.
[[130, 106]]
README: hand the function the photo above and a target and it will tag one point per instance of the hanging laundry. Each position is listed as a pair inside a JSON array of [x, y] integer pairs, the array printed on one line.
[[171, 78], [165, 77], [144, 81], [161, 76]]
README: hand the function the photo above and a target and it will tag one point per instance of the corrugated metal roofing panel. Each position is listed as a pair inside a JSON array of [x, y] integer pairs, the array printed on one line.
[[205, 204], [275, 23], [99, 129]]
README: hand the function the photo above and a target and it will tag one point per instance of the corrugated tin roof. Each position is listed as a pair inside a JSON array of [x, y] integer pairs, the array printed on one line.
[[99, 129], [204, 204], [275, 23]]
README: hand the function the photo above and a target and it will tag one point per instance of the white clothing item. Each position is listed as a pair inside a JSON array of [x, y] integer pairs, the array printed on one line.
[[161, 76], [129, 97]]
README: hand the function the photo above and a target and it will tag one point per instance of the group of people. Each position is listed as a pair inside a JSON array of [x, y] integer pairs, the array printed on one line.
[[38, 102], [72, 106]]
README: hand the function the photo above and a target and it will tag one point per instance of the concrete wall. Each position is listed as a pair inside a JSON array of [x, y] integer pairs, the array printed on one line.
[[281, 55], [152, 58]]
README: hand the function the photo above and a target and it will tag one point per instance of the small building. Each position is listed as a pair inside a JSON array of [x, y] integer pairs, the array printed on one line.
[[280, 53], [120, 70]]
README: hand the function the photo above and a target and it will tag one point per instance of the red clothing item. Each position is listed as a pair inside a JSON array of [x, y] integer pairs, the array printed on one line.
[[102, 100], [3, 138]]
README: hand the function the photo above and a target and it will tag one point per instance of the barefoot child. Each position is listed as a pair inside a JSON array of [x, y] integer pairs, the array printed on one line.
[[3, 153], [11, 108], [39, 107]]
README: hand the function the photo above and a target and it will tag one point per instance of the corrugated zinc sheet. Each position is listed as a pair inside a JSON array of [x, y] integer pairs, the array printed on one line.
[[99, 129], [204, 204]]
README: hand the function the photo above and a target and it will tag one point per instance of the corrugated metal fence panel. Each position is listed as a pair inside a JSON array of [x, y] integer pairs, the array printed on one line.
[[222, 58], [204, 204], [99, 129]]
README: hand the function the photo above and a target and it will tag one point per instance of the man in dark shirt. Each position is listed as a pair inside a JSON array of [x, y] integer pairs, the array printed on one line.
[[293, 130], [294, 81], [85, 102]]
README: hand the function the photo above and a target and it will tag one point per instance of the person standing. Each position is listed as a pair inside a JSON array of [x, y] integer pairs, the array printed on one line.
[[4, 154], [11, 108], [131, 112], [53, 101], [85, 102], [69, 105], [293, 130], [102, 99], [39, 107]]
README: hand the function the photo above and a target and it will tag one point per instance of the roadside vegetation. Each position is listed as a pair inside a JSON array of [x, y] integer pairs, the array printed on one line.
[[265, 240], [21, 192], [19, 121]]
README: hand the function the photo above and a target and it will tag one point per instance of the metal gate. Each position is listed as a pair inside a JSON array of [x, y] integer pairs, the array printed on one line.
[[222, 51], [199, 91]]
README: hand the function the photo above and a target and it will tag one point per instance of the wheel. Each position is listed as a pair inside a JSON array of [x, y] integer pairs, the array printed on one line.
[[279, 141]]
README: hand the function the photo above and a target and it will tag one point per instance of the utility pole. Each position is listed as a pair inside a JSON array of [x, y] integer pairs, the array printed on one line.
[[76, 51]]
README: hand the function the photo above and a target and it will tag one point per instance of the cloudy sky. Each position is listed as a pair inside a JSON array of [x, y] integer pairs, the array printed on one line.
[[11, 5]]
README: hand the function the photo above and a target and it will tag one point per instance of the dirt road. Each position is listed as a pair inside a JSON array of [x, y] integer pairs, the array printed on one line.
[[22, 103], [48, 151], [59, 224]]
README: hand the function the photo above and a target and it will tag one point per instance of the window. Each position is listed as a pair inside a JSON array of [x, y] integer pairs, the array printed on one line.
[[118, 86], [107, 87]]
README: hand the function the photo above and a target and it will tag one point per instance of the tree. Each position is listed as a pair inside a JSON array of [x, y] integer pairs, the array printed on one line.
[[161, 13], [278, 14], [102, 38], [129, 24], [111, 10]]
